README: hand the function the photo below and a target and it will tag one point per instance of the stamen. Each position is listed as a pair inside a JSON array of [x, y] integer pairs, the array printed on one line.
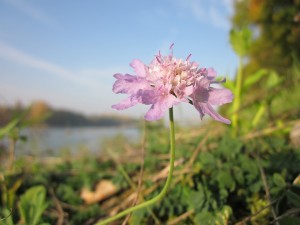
[[223, 80], [171, 49], [188, 57], [190, 101], [157, 58]]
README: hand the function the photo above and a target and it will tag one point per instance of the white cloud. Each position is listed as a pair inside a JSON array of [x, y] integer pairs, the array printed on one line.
[[218, 20], [86, 77], [214, 12], [194, 7]]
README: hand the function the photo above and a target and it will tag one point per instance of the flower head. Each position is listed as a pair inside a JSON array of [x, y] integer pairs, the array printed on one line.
[[166, 82]]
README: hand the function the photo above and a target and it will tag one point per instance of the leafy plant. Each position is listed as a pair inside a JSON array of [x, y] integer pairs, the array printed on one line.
[[32, 205], [7, 217], [240, 41]]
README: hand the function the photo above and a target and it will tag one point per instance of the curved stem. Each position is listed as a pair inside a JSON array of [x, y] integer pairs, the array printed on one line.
[[166, 186]]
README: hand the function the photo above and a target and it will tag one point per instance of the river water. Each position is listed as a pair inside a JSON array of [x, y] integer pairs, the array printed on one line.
[[57, 141]]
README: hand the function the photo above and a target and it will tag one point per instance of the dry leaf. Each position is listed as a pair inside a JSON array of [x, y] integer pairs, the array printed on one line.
[[103, 190]]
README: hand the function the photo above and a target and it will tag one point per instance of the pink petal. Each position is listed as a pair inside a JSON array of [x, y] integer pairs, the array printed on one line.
[[128, 84], [126, 103], [156, 112], [158, 109], [199, 108], [205, 108], [148, 97], [189, 90], [219, 96], [139, 67], [201, 91], [211, 74]]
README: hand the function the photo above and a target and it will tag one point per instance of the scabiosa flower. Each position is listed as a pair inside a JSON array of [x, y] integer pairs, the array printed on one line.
[[166, 82]]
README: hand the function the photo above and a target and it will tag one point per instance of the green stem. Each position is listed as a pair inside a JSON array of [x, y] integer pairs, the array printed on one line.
[[165, 188], [237, 97]]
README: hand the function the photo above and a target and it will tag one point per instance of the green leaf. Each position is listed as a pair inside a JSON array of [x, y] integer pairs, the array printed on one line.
[[273, 80], [137, 217], [205, 217], [32, 205], [290, 221], [293, 198], [254, 78], [207, 159], [230, 84], [5, 130], [225, 180], [278, 180], [223, 215], [11, 192], [7, 217], [238, 175], [241, 40], [196, 199], [259, 114]]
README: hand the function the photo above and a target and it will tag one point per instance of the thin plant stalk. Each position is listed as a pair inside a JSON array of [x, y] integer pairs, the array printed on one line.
[[237, 94], [12, 144], [165, 189]]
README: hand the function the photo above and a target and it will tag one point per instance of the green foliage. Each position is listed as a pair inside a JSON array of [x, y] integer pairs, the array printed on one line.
[[276, 23], [256, 95], [279, 180], [241, 41], [266, 86], [32, 205], [254, 79], [138, 217], [293, 198], [85, 214], [9, 188], [17, 122], [8, 128], [219, 217], [66, 193], [261, 98], [7, 217], [223, 186]]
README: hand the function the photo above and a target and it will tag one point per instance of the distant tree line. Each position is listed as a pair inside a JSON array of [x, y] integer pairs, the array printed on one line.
[[39, 113], [63, 118]]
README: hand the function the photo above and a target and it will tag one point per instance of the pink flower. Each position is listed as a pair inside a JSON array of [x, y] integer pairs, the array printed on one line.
[[166, 82]]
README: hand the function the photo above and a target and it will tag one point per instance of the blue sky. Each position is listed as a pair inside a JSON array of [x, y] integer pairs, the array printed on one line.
[[66, 52]]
